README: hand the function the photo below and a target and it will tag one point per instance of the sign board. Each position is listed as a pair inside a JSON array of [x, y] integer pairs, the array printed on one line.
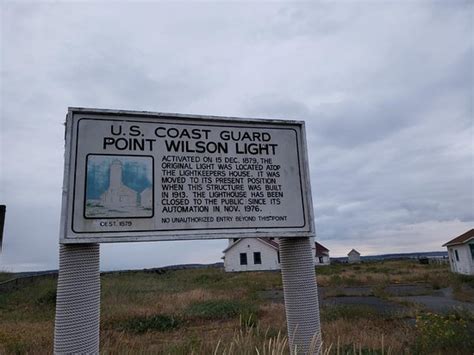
[[141, 176]]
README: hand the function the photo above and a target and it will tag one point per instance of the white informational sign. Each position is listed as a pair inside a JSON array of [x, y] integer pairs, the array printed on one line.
[[141, 176]]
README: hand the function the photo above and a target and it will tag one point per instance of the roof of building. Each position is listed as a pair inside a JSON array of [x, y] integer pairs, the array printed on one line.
[[463, 238], [352, 252], [267, 241], [270, 242], [321, 249]]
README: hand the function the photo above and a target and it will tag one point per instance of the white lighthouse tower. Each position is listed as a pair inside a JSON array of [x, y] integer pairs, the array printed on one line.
[[118, 195]]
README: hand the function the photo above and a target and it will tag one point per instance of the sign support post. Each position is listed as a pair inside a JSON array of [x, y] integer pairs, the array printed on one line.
[[78, 300], [301, 295]]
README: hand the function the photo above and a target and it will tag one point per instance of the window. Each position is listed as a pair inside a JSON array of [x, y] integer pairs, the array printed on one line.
[[457, 255], [278, 256], [321, 261], [472, 250], [257, 258], [243, 258]]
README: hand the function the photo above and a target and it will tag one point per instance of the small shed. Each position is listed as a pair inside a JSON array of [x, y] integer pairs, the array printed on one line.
[[461, 253], [321, 255], [353, 257]]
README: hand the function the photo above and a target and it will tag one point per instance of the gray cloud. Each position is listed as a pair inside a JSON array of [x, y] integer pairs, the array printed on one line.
[[386, 90]]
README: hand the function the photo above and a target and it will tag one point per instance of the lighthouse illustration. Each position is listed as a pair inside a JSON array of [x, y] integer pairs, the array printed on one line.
[[119, 186], [118, 195]]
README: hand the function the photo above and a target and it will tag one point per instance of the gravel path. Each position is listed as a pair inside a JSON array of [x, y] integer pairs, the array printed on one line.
[[439, 301], [377, 304]]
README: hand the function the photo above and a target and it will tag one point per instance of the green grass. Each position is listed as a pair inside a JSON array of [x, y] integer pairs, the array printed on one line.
[[5, 276], [159, 322], [451, 333], [185, 311], [348, 312], [386, 272], [182, 280], [465, 279], [221, 309], [34, 302], [47, 297]]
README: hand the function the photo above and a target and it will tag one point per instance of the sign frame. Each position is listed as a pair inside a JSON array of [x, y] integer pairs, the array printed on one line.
[[68, 236]]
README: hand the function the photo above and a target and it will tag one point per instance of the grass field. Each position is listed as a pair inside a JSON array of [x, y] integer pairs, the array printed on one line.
[[208, 311], [4, 276]]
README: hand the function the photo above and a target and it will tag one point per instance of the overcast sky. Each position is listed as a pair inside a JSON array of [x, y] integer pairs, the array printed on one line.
[[385, 88]]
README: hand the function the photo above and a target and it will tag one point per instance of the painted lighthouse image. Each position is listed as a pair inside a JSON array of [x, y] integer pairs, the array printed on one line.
[[119, 186], [118, 195]]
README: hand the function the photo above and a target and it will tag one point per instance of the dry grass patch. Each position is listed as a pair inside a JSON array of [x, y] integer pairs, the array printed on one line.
[[26, 338], [159, 303], [193, 339], [27, 315], [375, 334], [177, 303], [384, 273], [272, 316]]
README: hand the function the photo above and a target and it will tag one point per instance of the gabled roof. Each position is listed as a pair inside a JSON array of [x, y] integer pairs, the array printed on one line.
[[463, 238], [353, 251], [320, 249], [270, 242], [267, 241]]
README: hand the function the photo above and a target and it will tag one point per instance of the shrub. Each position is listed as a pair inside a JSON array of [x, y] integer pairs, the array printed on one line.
[[348, 312], [444, 331], [47, 298], [335, 280], [221, 309], [159, 322], [247, 322], [466, 279], [353, 349], [208, 279]]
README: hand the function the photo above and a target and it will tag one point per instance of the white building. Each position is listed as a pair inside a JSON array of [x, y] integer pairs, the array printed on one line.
[[321, 254], [254, 254], [251, 254], [461, 253], [118, 195], [353, 257]]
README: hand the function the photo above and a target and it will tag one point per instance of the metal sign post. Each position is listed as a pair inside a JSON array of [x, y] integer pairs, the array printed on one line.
[[301, 295], [78, 300], [142, 176]]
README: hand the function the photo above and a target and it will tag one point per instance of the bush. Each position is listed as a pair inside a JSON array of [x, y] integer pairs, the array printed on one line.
[[144, 324], [247, 322], [466, 279], [335, 280], [348, 312], [221, 309], [47, 298], [353, 349], [208, 279], [443, 332]]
